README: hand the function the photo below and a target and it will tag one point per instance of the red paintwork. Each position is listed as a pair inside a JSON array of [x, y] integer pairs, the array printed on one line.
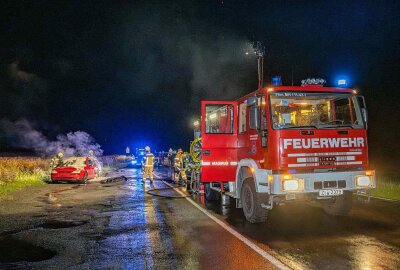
[[220, 147], [235, 147], [68, 174]]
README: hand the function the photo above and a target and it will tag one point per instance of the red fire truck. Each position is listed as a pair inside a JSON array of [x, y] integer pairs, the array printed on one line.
[[286, 143]]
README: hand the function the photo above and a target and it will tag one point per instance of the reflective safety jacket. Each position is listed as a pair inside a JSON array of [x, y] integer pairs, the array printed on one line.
[[178, 162], [149, 160], [56, 162]]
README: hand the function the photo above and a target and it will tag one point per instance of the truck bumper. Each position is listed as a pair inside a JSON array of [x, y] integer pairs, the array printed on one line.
[[321, 185]]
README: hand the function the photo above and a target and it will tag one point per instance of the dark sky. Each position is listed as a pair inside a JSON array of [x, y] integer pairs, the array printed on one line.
[[134, 72]]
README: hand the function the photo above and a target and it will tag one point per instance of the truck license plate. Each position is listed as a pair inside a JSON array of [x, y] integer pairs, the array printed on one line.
[[330, 192]]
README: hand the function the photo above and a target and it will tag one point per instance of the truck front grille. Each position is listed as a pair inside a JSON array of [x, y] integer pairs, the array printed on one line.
[[329, 184]]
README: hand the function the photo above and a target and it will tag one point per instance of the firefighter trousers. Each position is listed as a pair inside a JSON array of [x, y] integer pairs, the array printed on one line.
[[148, 173], [179, 174]]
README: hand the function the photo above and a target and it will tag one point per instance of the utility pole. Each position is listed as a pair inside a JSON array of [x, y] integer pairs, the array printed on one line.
[[259, 51]]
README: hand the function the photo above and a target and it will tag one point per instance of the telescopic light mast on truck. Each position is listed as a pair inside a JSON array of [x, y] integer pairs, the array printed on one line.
[[286, 143]]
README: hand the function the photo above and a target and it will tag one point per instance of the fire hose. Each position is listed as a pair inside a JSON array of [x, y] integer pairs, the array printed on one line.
[[154, 191], [192, 184]]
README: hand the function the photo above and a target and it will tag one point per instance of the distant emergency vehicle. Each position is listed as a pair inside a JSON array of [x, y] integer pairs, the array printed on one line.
[[286, 143]]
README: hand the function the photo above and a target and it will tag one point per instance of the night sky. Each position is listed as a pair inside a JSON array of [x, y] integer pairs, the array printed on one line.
[[134, 72]]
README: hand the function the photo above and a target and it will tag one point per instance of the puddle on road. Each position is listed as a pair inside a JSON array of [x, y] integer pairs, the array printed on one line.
[[14, 250], [60, 224]]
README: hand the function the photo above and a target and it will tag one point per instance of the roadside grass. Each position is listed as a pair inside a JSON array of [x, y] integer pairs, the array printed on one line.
[[19, 173], [387, 186]]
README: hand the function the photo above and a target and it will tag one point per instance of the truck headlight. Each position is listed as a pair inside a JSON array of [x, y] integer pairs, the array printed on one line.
[[363, 181], [293, 184]]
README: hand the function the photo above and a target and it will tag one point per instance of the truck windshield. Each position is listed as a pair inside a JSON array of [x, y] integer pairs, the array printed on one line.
[[315, 110]]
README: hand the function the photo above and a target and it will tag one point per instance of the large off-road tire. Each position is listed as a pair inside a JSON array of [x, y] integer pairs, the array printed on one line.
[[251, 202], [210, 194], [85, 179], [339, 206]]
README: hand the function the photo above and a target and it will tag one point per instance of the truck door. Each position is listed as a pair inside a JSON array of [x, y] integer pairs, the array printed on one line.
[[219, 141]]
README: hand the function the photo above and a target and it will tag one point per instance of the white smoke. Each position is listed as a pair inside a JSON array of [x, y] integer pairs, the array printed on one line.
[[76, 143]]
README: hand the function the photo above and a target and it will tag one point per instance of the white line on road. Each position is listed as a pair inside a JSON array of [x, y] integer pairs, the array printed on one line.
[[228, 228], [380, 198]]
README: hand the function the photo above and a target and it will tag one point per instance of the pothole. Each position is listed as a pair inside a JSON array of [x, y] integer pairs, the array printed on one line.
[[59, 224], [14, 250]]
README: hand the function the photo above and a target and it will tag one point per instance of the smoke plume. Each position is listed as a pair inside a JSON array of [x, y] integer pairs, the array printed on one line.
[[76, 143]]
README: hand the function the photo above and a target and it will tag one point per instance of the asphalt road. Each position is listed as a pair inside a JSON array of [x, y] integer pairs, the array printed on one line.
[[118, 225]]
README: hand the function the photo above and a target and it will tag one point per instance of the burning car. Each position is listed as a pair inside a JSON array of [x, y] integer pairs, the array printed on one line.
[[77, 169]]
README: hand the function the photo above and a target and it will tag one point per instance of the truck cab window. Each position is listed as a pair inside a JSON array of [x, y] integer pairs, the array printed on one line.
[[242, 117], [315, 110], [219, 119], [344, 111]]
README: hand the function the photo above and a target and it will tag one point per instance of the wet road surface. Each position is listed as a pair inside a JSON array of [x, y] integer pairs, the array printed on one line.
[[118, 225]]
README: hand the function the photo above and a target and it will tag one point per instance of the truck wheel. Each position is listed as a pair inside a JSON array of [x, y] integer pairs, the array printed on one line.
[[251, 202], [210, 194], [340, 205]]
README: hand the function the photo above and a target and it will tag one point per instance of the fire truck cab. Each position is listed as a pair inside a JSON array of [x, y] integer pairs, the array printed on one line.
[[286, 143]]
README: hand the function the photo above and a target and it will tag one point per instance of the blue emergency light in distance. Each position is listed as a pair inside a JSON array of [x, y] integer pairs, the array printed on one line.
[[276, 80], [342, 83]]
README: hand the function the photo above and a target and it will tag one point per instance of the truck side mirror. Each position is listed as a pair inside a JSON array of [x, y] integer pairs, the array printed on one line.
[[254, 117], [252, 103], [365, 116], [264, 138], [363, 106]]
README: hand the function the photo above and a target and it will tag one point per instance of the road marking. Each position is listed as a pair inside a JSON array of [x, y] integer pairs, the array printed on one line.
[[228, 228], [381, 198], [385, 199]]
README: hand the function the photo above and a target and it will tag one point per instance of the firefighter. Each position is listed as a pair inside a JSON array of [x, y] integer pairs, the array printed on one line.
[[179, 170], [170, 157], [96, 163], [148, 165], [56, 161]]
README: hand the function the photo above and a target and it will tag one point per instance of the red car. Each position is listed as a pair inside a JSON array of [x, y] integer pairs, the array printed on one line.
[[76, 169]]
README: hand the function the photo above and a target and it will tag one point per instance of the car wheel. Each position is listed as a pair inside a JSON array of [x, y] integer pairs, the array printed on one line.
[[340, 205], [251, 202]]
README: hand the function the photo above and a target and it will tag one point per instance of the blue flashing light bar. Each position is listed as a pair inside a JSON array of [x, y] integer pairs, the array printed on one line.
[[276, 80]]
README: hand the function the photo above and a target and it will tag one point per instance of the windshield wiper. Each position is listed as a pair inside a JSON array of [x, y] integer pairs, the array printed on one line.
[[300, 127], [339, 126]]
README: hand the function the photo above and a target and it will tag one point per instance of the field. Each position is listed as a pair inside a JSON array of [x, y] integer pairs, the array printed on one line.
[[18, 173], [388, 186]]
